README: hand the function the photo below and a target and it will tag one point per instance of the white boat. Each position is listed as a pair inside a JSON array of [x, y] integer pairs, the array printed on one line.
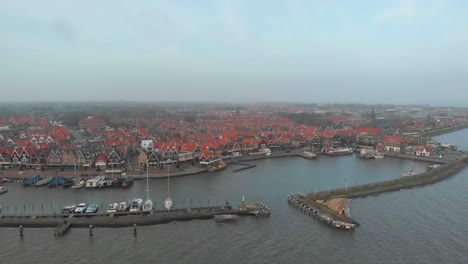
[[79, 185], [94, 183], [44, 181], [378, 155], [69, 209], [147, 206], [136, 205], [124, 206], [226, 218], [340, 151], [3, 189], [81, 208], [112, 208], [408, 174]]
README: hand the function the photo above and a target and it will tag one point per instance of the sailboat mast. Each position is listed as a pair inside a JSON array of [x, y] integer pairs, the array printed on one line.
[[147, 181], [168, 182]]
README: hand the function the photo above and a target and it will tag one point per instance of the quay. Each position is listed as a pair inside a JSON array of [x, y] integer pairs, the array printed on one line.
[[62, 223]]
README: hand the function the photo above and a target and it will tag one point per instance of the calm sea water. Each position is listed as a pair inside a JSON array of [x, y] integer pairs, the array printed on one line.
[[423, 225]]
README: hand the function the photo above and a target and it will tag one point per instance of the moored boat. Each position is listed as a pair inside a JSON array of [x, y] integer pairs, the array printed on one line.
[[147, 205], [92, 208], [79, 184], [68, 183], [124, 206], [378, 155], [94, 183], [3, 189], [44, 181], [340, 151], [221, 165], [127, 181], [136, 205], [68, 209], [31, 181], [112, 208], [226, 218], [81, 208], [56, 182]]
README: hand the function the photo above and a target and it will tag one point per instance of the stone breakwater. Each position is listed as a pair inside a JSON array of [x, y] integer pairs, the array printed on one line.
[[315, 204], [440, 173]]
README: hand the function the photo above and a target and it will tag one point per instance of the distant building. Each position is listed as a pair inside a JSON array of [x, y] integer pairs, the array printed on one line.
[[92, 122]]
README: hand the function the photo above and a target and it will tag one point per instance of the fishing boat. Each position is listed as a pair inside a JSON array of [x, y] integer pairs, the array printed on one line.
[[225, 218], [31, 181], [56, 181], [127, 181], [221, 165], [124, 206], [340, 151], [148, 204], [44, 181], [92, 208], [68, 209], [136, 205], [3, 189], [79, 184], [408, 173], [112, 208], [81, 208]]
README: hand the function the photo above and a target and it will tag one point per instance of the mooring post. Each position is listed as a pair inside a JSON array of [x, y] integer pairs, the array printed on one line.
[[134, 229], [90, 230], [21, 230]]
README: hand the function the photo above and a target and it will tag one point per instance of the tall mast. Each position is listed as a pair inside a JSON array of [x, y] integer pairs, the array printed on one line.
[[147, 180]]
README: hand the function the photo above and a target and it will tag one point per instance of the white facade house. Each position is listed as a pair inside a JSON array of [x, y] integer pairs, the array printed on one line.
[[147, 144]]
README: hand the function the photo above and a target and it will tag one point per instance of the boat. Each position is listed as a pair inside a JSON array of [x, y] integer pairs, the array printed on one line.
[[68, 183], [340, 151], [68, 209], [92, 208], [308, 155], [44, 181], [81, 208], [124, 206], [378, 155], [94, 183], [31, 181], [112, 208], [148, 204], [136, 204], [226, 218], [408, 173], [79, 184], [56, 182], [3, 189], [221, 165], [127, 181]]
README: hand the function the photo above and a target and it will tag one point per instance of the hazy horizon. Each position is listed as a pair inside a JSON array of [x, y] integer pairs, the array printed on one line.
[[385, 52]]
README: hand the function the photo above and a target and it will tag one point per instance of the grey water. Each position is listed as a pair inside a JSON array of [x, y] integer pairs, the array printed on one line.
[[422, 225]]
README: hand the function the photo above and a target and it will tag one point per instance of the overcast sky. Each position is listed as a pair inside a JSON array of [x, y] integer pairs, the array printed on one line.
[[235, 51]]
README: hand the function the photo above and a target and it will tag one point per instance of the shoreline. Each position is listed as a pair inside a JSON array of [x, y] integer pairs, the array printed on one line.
[[443, 131]]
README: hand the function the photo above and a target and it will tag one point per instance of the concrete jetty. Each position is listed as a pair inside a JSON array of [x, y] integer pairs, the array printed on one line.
[[62, 223]]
